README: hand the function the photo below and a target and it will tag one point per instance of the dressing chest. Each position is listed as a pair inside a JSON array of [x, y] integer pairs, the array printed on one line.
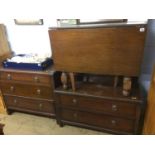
[[111, 54]]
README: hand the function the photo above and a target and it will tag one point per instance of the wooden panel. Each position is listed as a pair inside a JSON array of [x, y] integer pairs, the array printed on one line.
[[27, 90], [118, 108], [149, 123], [26, 77], [13, 102], [108, 50], [101, 91], [4, 46], [105, 121]]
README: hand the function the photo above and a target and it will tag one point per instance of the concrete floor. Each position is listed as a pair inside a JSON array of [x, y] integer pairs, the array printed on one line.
[[25, 124]]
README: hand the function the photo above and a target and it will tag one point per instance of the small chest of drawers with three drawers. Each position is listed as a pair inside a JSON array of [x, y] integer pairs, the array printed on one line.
[[28, 91]]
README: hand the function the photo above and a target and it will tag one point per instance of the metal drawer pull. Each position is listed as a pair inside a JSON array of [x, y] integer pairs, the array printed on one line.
[[74, 101], [12, 88], [15, 101], [9, 77], [113, 122], [36, 79], [40, 106], [38, 91], [114, 107]]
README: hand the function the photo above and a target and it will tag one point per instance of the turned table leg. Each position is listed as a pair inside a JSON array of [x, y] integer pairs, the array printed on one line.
[[127, 86], [72, 79], [64, 80]]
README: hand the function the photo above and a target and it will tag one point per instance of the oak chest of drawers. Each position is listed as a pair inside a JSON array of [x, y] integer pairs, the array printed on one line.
[[28, 91], [111, 112]]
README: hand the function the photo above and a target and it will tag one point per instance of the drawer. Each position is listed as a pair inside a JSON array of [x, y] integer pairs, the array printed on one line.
[[99, 120], [29, 104], [118, 108], [27, 90], [26, 77]]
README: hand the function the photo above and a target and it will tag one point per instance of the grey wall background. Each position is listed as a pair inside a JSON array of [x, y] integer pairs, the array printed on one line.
[[149, 51]]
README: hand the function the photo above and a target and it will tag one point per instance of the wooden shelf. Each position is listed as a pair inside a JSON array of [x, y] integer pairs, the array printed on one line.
[[97, 90]]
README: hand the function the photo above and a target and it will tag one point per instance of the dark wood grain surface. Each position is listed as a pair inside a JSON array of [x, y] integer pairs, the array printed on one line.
[[99, 107], [103, 50], [45, 107], [100, 120]]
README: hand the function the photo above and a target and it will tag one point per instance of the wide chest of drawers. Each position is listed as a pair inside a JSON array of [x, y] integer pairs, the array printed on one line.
[[118, 115], [28, 91]]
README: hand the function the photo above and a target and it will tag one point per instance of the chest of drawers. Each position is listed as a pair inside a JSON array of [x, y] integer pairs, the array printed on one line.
[[110, 113], [28, 91]]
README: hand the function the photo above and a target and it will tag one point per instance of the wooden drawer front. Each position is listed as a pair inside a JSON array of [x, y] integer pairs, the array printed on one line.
[[27, 90], [101, 105], [99, 120], [29, 104], [26, 77]]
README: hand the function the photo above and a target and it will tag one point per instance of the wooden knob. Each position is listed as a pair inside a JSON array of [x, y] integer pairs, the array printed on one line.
[[9, 77], [114, 107]]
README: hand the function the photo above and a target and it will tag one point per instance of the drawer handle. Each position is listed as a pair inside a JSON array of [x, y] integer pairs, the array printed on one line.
[[40, 106], [9, 77], [38, 91], [36, 79], [74, 101], [15, 101], [114, 107], [113, 122], [12, 88]]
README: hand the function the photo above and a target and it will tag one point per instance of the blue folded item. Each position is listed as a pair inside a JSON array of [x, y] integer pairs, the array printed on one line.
[[28, 66]]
